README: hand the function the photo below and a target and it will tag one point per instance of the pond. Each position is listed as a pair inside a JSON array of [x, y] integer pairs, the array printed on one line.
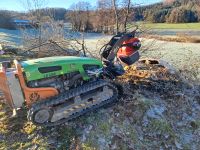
[[15, 36]]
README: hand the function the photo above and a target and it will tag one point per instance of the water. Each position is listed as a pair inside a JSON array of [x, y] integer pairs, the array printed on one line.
[[15, 36]]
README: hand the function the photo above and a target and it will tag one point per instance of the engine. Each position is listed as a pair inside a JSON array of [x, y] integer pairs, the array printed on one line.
[[61, 83], [67, 81]]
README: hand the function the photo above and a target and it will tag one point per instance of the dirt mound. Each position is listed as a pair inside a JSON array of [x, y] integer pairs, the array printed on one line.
[[163, 108]]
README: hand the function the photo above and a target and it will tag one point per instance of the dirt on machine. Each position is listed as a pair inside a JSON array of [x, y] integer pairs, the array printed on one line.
[[58, 89]]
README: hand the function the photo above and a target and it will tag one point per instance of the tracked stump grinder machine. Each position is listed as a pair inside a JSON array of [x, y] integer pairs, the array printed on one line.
[[58, 89]]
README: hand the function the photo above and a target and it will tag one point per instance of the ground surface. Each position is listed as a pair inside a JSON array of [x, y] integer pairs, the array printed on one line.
[[179, 26], [180, 55], [160, 108]]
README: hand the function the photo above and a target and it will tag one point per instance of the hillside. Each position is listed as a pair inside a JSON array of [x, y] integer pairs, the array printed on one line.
[[175, 11]]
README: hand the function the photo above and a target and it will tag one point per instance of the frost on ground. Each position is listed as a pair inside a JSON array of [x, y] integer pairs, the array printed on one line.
[[158, 109]]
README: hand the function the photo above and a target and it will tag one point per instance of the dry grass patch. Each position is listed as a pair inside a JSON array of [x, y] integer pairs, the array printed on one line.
[[182, 38]]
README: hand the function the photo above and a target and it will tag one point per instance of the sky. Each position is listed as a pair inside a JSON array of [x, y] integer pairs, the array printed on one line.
[[19, 5]]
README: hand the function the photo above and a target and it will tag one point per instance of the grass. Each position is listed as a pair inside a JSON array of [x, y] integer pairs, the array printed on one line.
[[131, 133], [4, 56], [29, 128], [195, 124], [17, 131], [187, 26], [145, 103], [162, 127], [179, 38], [67, 135], [92, 141], [104, 127], [87, 147]]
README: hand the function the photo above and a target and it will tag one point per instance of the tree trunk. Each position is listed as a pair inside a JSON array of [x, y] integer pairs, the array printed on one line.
[[126, 16], [116, 16]]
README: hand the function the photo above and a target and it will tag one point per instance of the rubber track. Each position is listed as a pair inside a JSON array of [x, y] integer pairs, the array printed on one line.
[[70, 94]]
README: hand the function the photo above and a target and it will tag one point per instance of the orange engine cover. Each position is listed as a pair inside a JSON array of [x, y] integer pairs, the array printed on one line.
[[129, 47], [128, 53]]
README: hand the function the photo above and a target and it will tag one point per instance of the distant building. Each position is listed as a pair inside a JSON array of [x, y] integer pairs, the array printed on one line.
[[22, 23]]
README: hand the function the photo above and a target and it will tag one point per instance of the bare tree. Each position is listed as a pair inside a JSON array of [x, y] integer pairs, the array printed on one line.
[[127, 13], [104, 20], [120, 11], [47, 35], [110, 16], [114, 2], [80, 16], [34, 8]]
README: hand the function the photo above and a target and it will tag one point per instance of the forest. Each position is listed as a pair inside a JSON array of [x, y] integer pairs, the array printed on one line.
[[106, 14], [177, 11]]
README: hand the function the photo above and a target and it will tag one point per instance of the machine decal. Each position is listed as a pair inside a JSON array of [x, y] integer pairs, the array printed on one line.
[[34, 97], [28, 74], [50, 75], [72, 66]]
